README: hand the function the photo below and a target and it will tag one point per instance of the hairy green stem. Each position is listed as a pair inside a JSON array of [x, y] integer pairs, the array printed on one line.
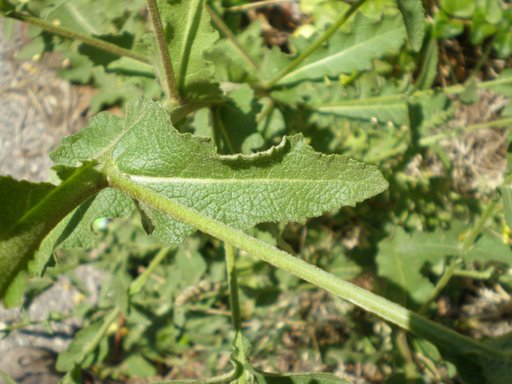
[[171, 86], [392, 312], [24, 238], [313, 47], [70, 34]]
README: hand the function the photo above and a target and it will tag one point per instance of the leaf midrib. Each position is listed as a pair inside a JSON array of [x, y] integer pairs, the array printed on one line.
[[192, 180]]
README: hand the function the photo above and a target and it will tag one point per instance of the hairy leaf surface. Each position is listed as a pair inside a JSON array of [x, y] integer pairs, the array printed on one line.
[[290, 182]]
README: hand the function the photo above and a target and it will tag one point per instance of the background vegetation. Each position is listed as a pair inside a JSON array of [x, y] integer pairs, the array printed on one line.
[[431, 111]]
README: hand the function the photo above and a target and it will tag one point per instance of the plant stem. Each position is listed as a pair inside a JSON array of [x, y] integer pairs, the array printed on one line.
[[91, 346], [233, 287], [231, 37], [256, 4], [234, 302], [313, 47], [470, 238], [441, 284], [392, 312], [170, 79], [139, 282], [475, 275], [220, 128], [70, 34]]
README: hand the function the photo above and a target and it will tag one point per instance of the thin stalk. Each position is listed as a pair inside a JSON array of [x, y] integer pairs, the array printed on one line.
[[73, 35], [500, 123], [475, 275], [219, 126], [234, 301], [313, 47], [392, 312], [141, 280], [449, 272], [470, 238], [217, 20], [255, 5], [170, 79], [91, 346]]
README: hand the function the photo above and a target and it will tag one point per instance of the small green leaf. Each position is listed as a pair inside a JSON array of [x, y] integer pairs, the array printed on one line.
[[189, 34], [261, 377], [237, 121], [78, 352], [506, 193], [380, 109], [414, 18], [401, 257], [345, 52]]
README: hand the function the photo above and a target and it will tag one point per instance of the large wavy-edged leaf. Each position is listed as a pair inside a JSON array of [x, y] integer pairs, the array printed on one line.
[[290, 182], [414, 18], [189, 34], [344, 53]]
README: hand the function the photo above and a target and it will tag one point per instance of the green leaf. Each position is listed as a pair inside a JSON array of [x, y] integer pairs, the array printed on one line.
[[237, 121], [382, 109], [498, 371], [90, 143], [75, 230], [414, 18], [18, 197], [137, 366], [345, 53], [233, 66], [401, 257], [506, 193], [489, 248], [428, 73], [79, 351], [189, 34], [261, 377], [35, 210], [289, 182]]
